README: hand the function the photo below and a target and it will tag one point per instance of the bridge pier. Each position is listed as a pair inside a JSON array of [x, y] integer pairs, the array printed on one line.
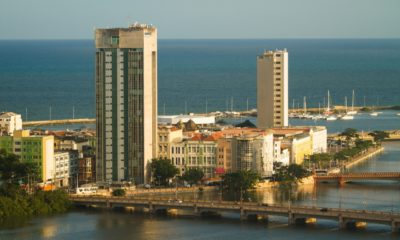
[[151, 208], [349, 224], [243, 215], [342, 223], [291, 218], [395, 226]]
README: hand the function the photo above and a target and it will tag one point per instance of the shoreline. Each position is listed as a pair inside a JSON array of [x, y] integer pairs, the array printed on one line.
[[364, 157]]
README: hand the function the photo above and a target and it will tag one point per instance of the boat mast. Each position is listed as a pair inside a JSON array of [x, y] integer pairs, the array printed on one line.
[[345, 103], [327, 106], [352, 101], [305, 104]]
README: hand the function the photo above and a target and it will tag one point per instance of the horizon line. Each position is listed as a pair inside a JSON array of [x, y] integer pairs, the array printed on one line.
[[289, 38]]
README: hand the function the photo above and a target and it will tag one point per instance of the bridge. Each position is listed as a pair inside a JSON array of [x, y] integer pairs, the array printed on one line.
[[295, 214], [59, 122], [341, 178]]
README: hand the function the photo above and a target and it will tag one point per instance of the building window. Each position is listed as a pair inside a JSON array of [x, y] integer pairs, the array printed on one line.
[[114, 40]]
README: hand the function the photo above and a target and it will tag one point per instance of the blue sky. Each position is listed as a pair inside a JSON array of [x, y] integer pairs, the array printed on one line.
[[76, 19]]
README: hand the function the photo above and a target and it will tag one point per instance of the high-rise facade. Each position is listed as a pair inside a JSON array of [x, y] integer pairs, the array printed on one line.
[[272, 89], [126, 102]]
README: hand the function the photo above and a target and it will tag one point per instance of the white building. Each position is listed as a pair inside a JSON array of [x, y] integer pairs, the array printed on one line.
[[272, 89], [9, 122], [255, 152], [319, 138], [281, 154], [174, 119], [66, 167]]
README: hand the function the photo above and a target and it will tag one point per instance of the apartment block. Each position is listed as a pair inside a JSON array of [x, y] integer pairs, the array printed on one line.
[[126, 102], [272, 89]]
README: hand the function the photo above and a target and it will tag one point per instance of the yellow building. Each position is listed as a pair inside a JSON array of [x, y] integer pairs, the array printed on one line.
[[167, 135], [31, 148]]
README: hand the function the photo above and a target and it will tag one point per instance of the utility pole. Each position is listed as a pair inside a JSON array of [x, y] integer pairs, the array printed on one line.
[[176, 188], [164, 109], [206, 105], [231, 104], [186, 112], [77, 181]]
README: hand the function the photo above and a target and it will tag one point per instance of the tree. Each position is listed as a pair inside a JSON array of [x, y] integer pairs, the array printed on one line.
[[240, 181], [12, 170], [349, 134], [379, 136], [292, 173], [163, 170], [321, 159], [193, 175], [118, 192]]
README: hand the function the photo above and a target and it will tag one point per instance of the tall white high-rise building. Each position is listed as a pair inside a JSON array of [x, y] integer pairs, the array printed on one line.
[[126, 102], [272, 89]]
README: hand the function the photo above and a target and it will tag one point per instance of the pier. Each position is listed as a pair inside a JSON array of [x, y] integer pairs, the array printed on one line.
[[59, 122], [249, 210]]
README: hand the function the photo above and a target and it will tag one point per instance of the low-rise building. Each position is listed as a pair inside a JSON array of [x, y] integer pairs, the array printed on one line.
[[174, 119], [167, 135], [34, 149], [319, 138], [68, 143], [255, 152], [66, 167], [86, 169], [9, 122]]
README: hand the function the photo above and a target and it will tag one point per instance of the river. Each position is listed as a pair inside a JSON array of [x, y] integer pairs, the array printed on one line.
[[93, 224]]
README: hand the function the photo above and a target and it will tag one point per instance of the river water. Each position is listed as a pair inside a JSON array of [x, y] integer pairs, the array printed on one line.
[[91, 224]]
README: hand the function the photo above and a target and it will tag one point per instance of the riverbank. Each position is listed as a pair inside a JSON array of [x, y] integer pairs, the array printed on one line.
[[370, 153], [16, 203]]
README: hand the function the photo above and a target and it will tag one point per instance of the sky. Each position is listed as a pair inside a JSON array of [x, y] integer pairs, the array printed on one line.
[[199, 19]]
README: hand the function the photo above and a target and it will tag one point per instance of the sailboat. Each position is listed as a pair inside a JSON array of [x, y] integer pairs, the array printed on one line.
[[352, 112], [328, 115], [374, 114], [347, 116]]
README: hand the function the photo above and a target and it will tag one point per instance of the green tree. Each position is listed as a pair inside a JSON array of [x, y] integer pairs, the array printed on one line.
[[118, 192], [12, 170], [379, 136], [349, 134], [193, 175], [321, 159], [163, 170], [240, 181], [292, 173]]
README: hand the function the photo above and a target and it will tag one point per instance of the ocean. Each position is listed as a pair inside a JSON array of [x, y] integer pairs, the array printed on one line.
[[39, 75]]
